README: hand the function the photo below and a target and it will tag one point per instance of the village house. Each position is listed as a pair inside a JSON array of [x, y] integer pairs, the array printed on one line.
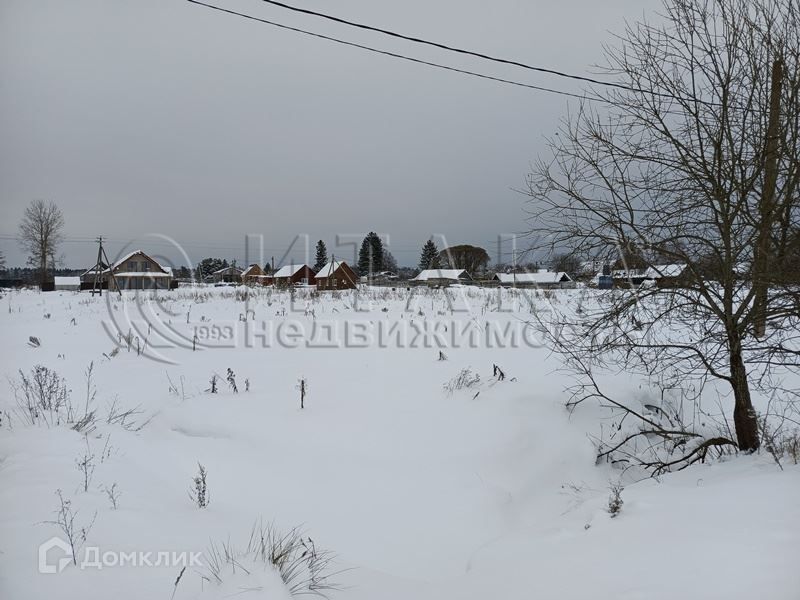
[[628, 277], [336, 275], [254, 274], [666, 275], [541, 279], [289, 275], [134, 271], [232, 274], [441, 277]]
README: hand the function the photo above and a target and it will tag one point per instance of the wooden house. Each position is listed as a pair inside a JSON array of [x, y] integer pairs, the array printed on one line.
[[232, 274], [254, 274], [289, 275], [541, 279], [134, 271], [664, 276], [441, 277], [336, 275]]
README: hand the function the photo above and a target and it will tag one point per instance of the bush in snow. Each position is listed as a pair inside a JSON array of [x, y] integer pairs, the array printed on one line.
[[303, 568], [465, 379], [86, 466], [615, 499], [498, 373], [302, 385], [65, 520], [231, 378], [42, 397], [113, 494], [199, 490], [780, 443]]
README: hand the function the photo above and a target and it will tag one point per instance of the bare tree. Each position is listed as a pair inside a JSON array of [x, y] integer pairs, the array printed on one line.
[[2, 261], [471, 258], [41, 233], [569, 262], [694, 162]]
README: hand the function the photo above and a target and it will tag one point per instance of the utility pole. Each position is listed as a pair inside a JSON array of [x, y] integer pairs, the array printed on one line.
[[766, 208], [514, 264], [97, 285]]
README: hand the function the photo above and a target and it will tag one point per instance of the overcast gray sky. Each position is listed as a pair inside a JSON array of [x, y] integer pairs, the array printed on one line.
[[159, 116]]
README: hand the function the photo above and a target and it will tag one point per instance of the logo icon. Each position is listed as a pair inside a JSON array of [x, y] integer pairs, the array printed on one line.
[[45, 565]]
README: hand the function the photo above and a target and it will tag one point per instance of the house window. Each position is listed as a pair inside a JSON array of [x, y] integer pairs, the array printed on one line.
[[145, 265]]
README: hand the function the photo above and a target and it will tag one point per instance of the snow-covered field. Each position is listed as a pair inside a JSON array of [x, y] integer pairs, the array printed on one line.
[[423, 492]]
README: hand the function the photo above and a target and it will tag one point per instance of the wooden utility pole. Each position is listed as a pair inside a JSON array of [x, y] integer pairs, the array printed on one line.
[[766, 208], [97, 285]]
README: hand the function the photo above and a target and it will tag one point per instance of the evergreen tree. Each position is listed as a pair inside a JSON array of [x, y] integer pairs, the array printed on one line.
[[370, 257], [322, 256], [429, 257], [208, 265]]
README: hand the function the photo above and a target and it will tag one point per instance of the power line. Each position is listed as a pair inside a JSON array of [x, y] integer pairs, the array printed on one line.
[[395, 55], [457, 50]]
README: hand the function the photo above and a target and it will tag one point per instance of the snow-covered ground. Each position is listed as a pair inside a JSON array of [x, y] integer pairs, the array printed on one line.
[[423, 492]]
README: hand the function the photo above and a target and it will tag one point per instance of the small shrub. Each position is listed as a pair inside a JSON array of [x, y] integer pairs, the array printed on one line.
[[302, 385], [113, 494], [615, 501], [199, 492], [464, 380], [65, 520], [231, 378], [86, 465], [42, 397]]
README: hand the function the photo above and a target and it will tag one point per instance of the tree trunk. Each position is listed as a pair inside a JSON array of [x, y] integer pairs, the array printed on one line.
[[744, 415], [43, 265], [763, 248]]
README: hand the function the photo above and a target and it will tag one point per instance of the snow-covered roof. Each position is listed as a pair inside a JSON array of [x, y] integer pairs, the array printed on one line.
[[454, 274], [288, 270], [329, 268], [228, 269], [537, 278], [659, 271], [121, 261], [252, 267], [126, 257]]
